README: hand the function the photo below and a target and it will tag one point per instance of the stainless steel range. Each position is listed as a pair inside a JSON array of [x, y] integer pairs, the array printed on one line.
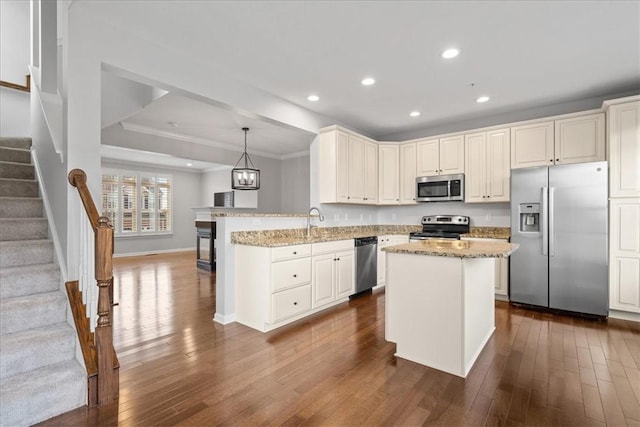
[[441, 227]]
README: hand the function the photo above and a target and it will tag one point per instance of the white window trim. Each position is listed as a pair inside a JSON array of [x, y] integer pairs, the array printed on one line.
[[136, 234]]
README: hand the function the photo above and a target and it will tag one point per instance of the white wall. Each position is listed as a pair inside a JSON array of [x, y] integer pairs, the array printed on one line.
[[219, 181], [186, 195], [294, 184], [15, 48]]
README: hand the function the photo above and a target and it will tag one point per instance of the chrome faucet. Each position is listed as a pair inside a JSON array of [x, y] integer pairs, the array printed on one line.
[[309, 219]]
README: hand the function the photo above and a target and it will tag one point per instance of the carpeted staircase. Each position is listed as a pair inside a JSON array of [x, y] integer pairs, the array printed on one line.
[[39, 375]]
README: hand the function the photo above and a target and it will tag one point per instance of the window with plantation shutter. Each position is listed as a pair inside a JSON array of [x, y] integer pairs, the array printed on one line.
[[137, 203]]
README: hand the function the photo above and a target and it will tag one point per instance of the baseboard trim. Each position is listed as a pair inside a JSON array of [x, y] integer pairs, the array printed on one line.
[[154, 252], [224, 319], [624, 315]]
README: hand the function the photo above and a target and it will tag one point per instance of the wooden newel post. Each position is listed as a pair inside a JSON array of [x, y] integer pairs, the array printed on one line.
[[108, 381]]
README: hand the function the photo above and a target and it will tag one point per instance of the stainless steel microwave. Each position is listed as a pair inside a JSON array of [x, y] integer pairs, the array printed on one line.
[[440, 188]]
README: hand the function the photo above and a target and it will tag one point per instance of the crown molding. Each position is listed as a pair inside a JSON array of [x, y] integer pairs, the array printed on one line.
[[193, 139], [295, 155]]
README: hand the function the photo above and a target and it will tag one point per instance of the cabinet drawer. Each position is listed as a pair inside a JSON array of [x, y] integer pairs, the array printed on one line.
[[286, 274], [328, 247], [291, 302], [290, 252]]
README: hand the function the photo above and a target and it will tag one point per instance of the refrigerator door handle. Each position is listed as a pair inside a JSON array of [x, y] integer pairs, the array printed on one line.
[[543, 219], [552, 232]]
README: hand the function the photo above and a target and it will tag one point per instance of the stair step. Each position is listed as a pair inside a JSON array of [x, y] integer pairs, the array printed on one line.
[[15, 142], [41, 394], [32, 311], [20, 207], [28, 252], [34, 348], [23, 229], [35, 279], [16, 170], [18, 187], [17, 155]]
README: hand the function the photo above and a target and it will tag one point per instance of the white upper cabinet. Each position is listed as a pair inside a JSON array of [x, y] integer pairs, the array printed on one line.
[[349, 165], [452, 155], [532, 145], [370, 172], [408, 173], [579, 139], [561, 142], [388, 174], [487, 171], [624, 149], [428, 157], [440, 156]]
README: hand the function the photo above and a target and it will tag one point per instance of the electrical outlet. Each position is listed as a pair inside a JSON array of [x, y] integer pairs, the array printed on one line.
[[361, 217], [346, 217], [257, 222], [394, 217], [489, 217], [336, 217]]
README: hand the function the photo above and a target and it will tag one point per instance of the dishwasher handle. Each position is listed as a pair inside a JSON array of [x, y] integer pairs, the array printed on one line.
[[363, 241]]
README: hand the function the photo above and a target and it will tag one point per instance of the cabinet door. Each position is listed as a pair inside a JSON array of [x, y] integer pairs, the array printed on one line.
[[342, 167], [532, 145], [501, 287], [356, 169], [498, 166], [388, 183], [322, 271], [624, 150], [579, 139], [345, 274], [408, 173], [452, 155], [370, 172], [624, 267], [427, 157], [475, 173]]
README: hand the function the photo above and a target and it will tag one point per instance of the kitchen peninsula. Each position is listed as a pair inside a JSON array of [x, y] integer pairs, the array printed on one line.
[[439, 307]]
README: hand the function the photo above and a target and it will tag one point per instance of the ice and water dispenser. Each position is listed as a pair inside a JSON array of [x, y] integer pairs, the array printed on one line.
[[530, 217]]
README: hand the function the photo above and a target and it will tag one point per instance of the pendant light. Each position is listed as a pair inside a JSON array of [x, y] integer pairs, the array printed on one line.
[[245, 178]]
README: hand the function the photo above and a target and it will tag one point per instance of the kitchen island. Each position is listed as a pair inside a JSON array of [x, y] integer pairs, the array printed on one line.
[[439, 307]]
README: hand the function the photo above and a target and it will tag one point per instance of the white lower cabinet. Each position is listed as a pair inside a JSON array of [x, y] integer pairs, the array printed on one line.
[[624, 255], [333, 271], [501, 275], [275, 286]]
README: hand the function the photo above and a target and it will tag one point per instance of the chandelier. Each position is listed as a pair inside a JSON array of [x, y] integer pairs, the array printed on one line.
[[245, 178]]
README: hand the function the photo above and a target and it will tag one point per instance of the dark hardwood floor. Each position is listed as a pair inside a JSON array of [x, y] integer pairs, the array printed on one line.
[[335, 368]]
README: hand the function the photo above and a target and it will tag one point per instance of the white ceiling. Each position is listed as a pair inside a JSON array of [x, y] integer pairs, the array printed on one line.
[[522, 54]]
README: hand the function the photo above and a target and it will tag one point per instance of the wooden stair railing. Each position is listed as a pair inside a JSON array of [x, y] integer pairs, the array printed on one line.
[[97, 347], [25, 88]]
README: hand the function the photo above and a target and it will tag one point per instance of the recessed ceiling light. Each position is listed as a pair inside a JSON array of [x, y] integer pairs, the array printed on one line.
[[482, 99], [450, 53], [172, 124], [414, 113], [368, 81], [313, 98], [189, 164]]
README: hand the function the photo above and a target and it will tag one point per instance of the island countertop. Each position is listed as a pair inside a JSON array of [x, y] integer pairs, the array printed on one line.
[[456, 248]]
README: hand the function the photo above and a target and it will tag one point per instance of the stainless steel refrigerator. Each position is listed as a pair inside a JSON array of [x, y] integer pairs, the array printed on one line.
[[559, 218]]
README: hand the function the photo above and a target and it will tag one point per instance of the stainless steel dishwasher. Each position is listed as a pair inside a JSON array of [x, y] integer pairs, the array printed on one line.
[[366, 264]]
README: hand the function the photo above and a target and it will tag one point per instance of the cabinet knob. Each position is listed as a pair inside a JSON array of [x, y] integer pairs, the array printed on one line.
[[295, 303], [557, 160], [295, 275], [295, 253], [348, 197], [338, 259], [551, 160]]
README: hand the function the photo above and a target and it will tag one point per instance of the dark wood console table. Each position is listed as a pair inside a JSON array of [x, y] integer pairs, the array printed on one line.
[[205, 243]]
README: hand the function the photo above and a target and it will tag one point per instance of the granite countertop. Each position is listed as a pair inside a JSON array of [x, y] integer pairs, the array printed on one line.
[[297, 236], [489, 232], [455, 248]]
